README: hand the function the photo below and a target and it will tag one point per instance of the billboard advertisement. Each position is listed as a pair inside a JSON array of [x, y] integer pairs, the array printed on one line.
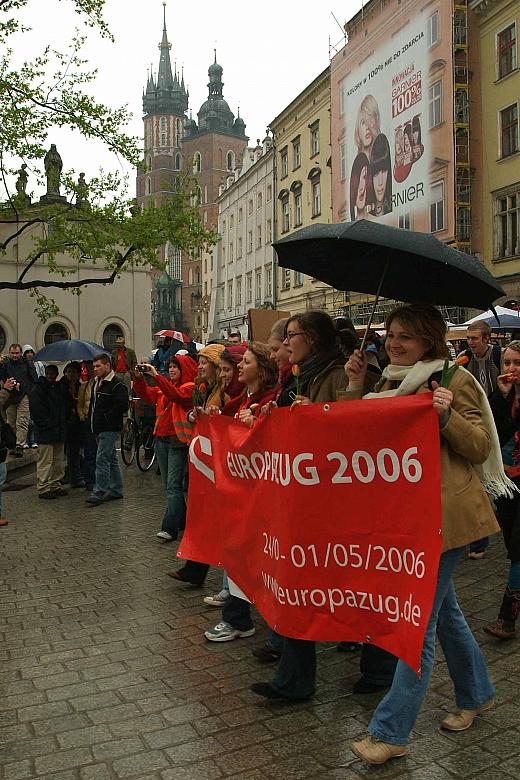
[[385, 109]]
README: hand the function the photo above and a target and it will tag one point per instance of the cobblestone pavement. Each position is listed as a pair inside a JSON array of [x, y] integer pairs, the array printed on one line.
[[105, 672]]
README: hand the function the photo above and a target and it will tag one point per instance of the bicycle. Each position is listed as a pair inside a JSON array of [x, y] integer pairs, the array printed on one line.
[[137, 439]]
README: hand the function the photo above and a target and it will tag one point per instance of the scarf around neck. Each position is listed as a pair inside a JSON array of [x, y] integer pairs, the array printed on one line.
[[411, 378]]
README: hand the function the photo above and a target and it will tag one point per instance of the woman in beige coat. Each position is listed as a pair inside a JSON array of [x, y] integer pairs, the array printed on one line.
[[415, 344]]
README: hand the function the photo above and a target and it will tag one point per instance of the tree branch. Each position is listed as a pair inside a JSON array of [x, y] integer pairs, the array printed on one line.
[[30, 265], [60, 285], [13, 236]]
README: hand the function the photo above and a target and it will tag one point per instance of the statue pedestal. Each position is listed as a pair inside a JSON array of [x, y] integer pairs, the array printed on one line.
[[49, 199]]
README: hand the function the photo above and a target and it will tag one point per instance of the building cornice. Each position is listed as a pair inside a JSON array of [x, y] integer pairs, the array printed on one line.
[[481, 7]]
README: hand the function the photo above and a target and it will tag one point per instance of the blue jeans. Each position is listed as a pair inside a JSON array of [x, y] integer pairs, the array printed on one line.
[[480, 545], [396, 714], [3, 476], [172, 465], [108, 473]]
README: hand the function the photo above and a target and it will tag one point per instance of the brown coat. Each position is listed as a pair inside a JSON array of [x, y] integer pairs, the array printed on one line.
[[466, 510], [330, 383]]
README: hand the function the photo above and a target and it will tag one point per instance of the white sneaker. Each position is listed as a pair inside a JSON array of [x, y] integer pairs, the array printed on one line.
[[165, 535], [216, 600], [34, 446], [223, 632]]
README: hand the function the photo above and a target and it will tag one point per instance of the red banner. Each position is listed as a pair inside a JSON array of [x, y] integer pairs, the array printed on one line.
[[328, 517]]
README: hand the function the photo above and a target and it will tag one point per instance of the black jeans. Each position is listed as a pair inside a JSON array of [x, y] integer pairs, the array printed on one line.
[[237, 613], [194, 572], [296, 673]]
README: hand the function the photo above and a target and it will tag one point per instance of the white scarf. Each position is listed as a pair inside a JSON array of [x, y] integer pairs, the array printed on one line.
[[491, 473]]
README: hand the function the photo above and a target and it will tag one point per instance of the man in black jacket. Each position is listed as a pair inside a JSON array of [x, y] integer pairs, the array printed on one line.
[[17, 409], [47, 406], [108, 403]]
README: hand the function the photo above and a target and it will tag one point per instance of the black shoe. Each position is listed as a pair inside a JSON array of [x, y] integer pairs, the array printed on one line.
[[365, 686], [111, 497], [60, 492], [348, 647], [266, 654], [93, 501], [18, 453], [47, 495], [176, 575], [266, 690], [77, 485]]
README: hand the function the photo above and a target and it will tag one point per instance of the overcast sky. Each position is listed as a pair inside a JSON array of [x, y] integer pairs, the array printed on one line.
[[269, 53]]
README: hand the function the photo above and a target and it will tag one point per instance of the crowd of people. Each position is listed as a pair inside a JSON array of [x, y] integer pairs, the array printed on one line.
[[82, 415]]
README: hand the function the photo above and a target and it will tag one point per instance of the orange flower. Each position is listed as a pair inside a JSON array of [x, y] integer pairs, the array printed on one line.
[[462, 360], [296, 371]]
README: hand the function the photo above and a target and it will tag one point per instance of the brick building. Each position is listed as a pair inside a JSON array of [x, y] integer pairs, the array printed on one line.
[[165, 102], [212, 150], [208, 151]]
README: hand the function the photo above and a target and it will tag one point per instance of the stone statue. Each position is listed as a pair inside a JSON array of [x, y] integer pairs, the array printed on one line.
[[21, 185], [82, 193], [53, 167]]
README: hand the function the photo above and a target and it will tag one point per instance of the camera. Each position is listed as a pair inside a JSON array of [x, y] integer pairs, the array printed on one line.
[[142, 368]]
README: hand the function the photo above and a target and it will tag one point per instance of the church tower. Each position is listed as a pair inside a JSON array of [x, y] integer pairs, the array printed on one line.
[[212, 151], [165, 102]]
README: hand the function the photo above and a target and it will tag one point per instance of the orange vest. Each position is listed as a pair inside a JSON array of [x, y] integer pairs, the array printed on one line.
[[183, 428]]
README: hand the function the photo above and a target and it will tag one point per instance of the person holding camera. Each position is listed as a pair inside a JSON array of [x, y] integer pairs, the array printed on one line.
[[17, 409], [173, 399]]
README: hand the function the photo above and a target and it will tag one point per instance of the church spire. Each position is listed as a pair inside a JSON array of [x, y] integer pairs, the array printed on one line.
[[164, 76], [164, 93]]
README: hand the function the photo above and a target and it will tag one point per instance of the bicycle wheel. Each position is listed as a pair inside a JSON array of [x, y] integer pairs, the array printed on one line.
[[144, 451], [128, 440]]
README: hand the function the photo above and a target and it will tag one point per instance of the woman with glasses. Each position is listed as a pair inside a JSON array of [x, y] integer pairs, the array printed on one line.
[[319, 349]]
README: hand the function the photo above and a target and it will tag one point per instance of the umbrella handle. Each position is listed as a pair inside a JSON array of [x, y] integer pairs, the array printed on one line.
[[374, 307]]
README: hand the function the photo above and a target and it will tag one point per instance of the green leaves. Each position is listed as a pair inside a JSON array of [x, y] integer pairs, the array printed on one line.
[[97, 224]]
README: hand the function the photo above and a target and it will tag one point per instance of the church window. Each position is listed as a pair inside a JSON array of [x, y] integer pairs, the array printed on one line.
[[56, 332], [148, 186], [163, 139], [197, 162], [163, 124], [178, 162], [230, 161]]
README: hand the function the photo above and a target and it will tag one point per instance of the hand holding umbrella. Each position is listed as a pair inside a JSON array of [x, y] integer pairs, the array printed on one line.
[[356, 369]]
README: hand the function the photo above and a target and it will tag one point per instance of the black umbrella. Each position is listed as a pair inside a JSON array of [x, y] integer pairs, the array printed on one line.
[[69, 349], [377, 259]]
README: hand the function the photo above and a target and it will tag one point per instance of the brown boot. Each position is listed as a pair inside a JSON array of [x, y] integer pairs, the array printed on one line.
[[374, 751], [504, 626]]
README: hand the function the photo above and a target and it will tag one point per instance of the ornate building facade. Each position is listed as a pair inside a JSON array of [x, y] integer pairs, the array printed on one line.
[[207, 150], [498, 29]]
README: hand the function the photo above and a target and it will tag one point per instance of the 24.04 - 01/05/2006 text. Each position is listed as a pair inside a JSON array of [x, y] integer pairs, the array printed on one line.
[[352, 555]]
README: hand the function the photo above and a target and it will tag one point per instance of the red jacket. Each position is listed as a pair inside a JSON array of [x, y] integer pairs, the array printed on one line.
[[261, 397], [165, 395]]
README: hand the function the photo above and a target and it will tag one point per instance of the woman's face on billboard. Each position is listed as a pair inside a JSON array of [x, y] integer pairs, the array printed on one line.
[[407, 146], [362, 188], [380, 185], [416, 137], [367, 129]]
